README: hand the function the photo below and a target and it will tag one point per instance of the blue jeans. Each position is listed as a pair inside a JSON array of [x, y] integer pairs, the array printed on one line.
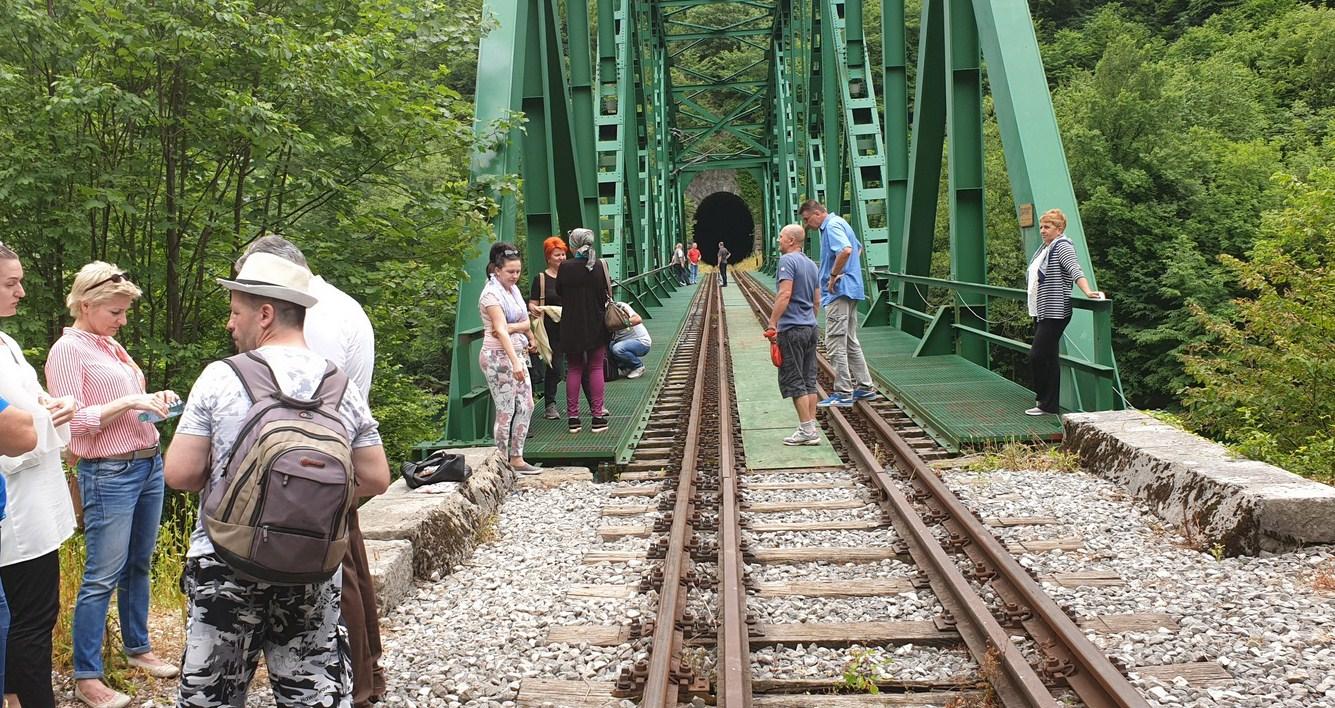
[[122, 508], [695, 273], [4, 632], [627, 352]]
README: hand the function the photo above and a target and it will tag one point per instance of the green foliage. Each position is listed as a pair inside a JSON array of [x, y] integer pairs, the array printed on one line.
[[864, 668], [164, 137], [1262, 379]]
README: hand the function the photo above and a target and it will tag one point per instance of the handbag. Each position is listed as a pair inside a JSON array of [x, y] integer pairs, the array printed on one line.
[[439, 466], [614, 318]]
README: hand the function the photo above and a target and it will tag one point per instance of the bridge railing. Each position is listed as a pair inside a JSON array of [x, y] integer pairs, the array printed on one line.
[[1091, 364]]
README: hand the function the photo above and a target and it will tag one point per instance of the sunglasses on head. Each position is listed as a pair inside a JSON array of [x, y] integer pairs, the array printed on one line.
[[117, 278]]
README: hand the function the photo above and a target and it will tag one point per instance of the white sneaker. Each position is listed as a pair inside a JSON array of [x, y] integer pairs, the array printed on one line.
[[1035, 411], [802, 437], [636, 373]]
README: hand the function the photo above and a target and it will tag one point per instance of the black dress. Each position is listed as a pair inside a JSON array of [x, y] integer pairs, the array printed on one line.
[[583, 294], [553, 298]]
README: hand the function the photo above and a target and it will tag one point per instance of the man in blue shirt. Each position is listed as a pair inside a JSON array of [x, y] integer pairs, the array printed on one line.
[[841, 291], [792, 324], [17, 436]]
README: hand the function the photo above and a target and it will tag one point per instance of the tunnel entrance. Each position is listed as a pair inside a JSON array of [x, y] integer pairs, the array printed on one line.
[[723, 216]]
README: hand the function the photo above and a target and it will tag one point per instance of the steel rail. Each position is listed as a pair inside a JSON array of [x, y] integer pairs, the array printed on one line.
[[1091, 674], [733, 687], [661, 685], [1016, 683]]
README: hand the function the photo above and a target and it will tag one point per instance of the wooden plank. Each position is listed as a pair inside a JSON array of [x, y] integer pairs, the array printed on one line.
[[779, 507], [1199, 674], [858, 525], [609, 533], [603, 592], [807, 700], [598, 635], [1073, 543], [1007, 521], [776, 486], [647, 491], [642, 476], [834, 588], [813, 685], [845, 633], [628, 509], [797, 470], [1089, 578], [1139, 622], [826, 553], [536, 692], [614, 556]]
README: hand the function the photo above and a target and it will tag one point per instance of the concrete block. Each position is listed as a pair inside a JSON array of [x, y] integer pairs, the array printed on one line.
[[440, 520], [1243, 505], [391, 565]]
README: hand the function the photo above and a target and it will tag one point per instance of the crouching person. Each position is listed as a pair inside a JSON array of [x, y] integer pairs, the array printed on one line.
[[631, 343], [279, 446]]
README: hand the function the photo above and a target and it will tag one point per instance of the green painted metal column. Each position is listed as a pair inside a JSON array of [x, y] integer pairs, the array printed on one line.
[[964, 107]]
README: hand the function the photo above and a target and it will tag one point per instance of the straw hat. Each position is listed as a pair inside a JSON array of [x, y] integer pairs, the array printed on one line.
[[267, 275]]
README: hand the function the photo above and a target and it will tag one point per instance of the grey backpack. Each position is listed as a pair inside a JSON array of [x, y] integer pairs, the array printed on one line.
[[279, 513]]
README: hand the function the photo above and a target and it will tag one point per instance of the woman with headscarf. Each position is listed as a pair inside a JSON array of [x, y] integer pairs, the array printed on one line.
[[505, 321], [1052, 272], [584, 286], [39, 516], [543, 294]]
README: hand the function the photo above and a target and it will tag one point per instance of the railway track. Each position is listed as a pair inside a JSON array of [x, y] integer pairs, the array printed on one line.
[[705, 524]]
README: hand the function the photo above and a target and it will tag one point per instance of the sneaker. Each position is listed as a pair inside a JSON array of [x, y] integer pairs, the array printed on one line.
[[604, 413], [1035, 411], [599, 424], [575, 425], [527, 469], [636, 373], [551, 413], [864, 394], [802, 437], [842, 400]]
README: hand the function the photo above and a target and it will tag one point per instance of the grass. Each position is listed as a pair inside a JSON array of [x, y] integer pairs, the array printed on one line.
[[1022, 456], [1324, 577], [165, 600]]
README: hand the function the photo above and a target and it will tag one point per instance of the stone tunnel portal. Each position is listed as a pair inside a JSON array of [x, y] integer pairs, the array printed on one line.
[[723, 216]]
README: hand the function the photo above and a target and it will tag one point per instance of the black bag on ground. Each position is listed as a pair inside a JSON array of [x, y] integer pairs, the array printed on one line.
[[439, 466]]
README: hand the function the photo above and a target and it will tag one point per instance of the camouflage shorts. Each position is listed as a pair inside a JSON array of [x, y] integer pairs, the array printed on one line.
[[232, 620]]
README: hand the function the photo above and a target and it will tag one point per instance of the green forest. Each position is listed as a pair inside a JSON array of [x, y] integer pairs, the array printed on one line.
[[164, 137]]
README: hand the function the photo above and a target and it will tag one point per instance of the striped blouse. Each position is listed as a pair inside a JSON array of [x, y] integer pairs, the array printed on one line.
[[1060, 272], [97, 370]]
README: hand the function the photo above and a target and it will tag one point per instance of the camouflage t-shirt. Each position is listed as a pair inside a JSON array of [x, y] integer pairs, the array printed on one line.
[[218, 403]]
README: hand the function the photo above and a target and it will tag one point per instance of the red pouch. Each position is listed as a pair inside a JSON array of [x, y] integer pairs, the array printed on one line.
[[775, 353]]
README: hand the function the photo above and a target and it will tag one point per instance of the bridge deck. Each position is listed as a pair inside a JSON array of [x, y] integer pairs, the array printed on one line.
[[957, 401], [629, 400]]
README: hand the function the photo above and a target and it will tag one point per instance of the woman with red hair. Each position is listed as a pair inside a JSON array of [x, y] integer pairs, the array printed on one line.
[[542, 294]]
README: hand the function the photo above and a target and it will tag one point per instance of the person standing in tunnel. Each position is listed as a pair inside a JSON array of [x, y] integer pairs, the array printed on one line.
[[841, 291], [723, 255]]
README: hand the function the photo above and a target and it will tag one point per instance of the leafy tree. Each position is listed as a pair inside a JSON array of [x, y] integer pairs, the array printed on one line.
[[1262, 379]]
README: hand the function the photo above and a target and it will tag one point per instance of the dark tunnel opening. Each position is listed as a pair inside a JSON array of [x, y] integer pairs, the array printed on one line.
[[723, 216]]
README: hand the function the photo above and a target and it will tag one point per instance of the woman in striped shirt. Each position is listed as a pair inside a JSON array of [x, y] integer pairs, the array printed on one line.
[[120, 475], [1052, 271]]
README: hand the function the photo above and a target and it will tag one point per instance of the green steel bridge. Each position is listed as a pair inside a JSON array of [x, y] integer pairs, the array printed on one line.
[[607, 112]]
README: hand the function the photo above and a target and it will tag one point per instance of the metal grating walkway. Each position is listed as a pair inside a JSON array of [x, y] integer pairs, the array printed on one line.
[[629, 400], [957, 401]]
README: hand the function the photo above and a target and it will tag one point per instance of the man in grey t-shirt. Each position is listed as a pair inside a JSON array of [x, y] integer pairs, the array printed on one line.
[[232, 618], [793, 322]]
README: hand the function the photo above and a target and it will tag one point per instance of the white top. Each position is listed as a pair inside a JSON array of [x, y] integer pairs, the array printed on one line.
[[639, 331], [218, 403], [338, 329], [1034, 266], [39, 515]]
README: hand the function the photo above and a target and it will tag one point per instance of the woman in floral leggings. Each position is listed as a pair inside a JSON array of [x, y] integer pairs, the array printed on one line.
[[505, 319]]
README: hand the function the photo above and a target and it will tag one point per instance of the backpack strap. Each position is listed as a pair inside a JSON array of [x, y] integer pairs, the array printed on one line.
[[542, 289], [256, 376], [332, 387]]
